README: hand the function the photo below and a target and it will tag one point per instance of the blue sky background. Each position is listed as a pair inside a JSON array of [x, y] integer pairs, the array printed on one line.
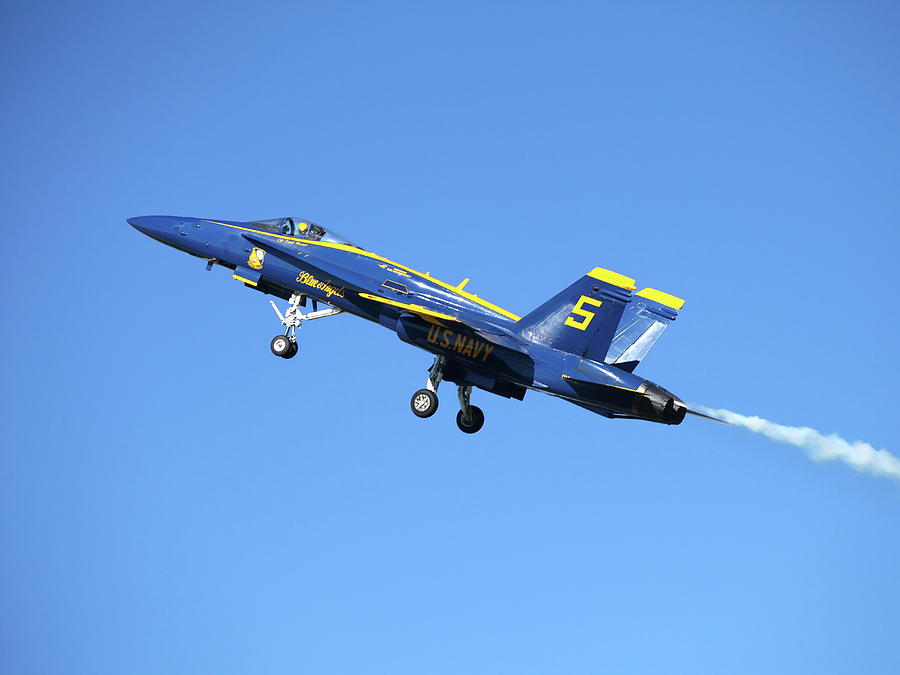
[[175, 499]]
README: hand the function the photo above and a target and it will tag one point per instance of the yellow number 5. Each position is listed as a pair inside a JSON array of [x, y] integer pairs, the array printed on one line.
[[580, 311]]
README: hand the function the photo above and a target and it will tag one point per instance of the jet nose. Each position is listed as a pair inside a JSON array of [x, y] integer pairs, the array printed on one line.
[[162, 228]]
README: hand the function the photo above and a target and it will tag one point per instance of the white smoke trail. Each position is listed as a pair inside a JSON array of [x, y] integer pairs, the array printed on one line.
[[821, 448]]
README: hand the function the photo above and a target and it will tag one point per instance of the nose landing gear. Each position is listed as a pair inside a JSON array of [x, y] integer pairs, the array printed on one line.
[[424, 402], [286, 345]]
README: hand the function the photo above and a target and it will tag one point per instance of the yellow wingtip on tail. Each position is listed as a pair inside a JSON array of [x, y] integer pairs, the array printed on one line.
[[661, 298], [613, 278]]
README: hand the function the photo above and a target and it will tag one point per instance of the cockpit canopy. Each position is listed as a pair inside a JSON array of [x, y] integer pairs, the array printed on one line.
[[302, 229]]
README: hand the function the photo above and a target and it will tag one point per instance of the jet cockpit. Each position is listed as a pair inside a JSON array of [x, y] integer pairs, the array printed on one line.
[[301, 229]]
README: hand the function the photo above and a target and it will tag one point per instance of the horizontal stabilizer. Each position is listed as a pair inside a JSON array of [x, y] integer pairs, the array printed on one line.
[[648, 402]]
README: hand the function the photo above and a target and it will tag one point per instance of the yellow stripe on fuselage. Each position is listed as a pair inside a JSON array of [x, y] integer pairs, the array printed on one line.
[[418, 309], [368, 254]]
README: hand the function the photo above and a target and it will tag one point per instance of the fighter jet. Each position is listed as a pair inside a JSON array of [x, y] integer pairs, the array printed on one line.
[[582, 345]]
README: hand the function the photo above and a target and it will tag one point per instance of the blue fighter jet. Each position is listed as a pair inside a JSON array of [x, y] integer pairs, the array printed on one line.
[[581, 345]]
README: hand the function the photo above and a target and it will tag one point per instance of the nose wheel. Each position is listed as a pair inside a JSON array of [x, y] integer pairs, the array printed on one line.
[[424, 403], [286, 345]]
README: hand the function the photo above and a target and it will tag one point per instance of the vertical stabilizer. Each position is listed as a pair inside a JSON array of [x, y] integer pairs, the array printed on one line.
[[642, 323], [581, 319]]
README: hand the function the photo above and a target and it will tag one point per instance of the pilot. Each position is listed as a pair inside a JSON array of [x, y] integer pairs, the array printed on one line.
[[302, 228], [287, 227]]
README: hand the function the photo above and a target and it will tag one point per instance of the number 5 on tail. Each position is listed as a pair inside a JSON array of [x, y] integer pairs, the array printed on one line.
[[580, 311]]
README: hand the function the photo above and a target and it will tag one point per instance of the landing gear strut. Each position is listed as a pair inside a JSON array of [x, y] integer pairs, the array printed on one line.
[[286, 345], [424, 402], [470, 418]]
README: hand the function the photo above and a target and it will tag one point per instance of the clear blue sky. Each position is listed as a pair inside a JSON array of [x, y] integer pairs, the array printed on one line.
[[174, 499]]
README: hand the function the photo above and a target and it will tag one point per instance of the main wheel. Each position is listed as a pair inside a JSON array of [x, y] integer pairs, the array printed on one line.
[[295, 347], [281, 346], [424, 403], [473, 423]]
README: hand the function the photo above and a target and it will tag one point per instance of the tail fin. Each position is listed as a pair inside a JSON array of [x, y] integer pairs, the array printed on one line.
[[581, 319], [643, 321]]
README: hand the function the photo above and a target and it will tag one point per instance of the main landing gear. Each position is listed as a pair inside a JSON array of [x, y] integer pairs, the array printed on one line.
[[286, 345], [424, 402], [469, 419]]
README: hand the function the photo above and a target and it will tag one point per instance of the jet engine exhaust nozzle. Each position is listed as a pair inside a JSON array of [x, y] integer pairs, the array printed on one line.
[[660, 405]]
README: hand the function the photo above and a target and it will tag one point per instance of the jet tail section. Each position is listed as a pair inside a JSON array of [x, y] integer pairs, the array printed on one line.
[[581, 319], [642, 323]]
